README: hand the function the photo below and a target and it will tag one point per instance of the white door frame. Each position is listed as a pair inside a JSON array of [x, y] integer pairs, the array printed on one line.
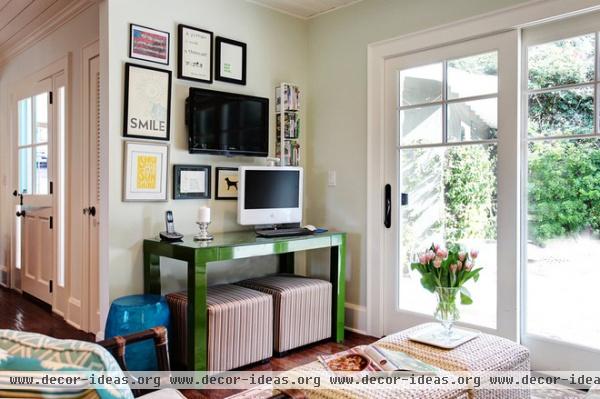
[[516, 17]]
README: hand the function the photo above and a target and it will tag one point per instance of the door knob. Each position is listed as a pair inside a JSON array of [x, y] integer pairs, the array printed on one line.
[[21, 213], [90, 211]]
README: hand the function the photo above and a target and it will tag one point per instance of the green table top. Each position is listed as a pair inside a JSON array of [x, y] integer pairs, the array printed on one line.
[[239, 238]]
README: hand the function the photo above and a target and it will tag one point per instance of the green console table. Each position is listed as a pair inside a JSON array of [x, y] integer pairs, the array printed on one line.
[[239, 245]]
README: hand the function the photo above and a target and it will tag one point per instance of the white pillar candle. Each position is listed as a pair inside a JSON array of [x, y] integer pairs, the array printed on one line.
[[204, 215]]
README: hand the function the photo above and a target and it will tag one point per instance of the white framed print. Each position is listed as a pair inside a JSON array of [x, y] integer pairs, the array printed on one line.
[[148, 44], [147, 102], [145, 171], [231, 61], [194, 55]]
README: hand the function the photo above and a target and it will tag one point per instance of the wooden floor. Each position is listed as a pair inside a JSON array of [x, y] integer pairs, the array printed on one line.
[[23, 314]]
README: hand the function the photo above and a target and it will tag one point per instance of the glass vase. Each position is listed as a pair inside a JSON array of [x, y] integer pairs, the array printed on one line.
[[447, 311]]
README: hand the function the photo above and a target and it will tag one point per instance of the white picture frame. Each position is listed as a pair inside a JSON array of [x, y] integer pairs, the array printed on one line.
[[145, 171]]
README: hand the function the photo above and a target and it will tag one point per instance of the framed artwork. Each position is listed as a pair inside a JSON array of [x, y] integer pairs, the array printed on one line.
[[194, 55], [191, 181], [145, 171], [147, 102], [148, 44], [231, 61], [226, 183]]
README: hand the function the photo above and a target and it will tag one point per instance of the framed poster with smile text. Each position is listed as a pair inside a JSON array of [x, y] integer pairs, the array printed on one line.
[[147, 102]]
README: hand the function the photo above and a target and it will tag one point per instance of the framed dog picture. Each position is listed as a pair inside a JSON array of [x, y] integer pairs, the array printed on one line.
[[148, 44], [191, 181], [226, 183], [145, 171], [147, 105], [194, 56]]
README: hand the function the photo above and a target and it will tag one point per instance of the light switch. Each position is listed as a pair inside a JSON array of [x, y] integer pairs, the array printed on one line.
[[331, 178]]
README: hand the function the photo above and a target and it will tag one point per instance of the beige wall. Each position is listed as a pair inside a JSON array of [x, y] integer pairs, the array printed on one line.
[[338, 113], [277, 51]]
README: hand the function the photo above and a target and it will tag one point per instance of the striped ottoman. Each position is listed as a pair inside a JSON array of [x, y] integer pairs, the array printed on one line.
[[302, 309], [240, 326]]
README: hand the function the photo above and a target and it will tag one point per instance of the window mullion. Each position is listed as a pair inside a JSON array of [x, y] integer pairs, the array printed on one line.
[[445, 101], [33, 147]]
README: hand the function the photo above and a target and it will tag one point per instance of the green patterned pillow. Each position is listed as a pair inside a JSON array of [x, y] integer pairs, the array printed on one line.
[[10, 364], [77, 353], [35, 352]]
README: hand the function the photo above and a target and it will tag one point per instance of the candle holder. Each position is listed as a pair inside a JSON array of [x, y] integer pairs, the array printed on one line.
[[203, 235]]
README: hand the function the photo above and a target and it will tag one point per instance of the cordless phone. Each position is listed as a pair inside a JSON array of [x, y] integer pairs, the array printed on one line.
[[170, 234]]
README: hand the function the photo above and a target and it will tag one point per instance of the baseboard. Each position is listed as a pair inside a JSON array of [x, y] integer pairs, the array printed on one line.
[[356, 318]]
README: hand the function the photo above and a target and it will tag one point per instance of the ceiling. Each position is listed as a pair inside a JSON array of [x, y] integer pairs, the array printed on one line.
[[303, 8], [22, 20]]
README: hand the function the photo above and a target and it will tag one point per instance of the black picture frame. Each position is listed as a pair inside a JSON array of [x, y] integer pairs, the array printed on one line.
[[180, 49], [218, 194], [220, 41], [177, 169], [149, 59], [128, 67]]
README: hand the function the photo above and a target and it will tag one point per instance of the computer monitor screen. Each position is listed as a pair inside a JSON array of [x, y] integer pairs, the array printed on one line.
[[270, 195], [267, 189]]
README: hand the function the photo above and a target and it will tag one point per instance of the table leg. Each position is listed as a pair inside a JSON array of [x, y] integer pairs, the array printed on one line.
[[151, 273], [286, 263], [197, 310], [337, 275]]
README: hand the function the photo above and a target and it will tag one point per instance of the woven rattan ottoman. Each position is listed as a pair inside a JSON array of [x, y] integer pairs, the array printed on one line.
[[484, 353], [240, 326], [301, 309]]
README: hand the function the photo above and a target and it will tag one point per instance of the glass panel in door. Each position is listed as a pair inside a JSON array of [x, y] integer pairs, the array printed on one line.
[[563, 193], [447, 173]]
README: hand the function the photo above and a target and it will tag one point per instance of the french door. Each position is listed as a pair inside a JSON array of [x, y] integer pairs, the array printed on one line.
[[35, 204], [561, 194], [451, 158]]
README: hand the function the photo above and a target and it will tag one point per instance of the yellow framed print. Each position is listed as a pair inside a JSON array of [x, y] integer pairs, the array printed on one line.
[[145, 171]]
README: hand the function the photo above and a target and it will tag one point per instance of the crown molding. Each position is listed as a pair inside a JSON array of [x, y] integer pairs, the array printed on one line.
[[70, 11]]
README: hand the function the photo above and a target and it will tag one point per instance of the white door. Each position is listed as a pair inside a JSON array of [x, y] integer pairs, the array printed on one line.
[[561, 194], [92, 188], [451, 158], [34, 174]]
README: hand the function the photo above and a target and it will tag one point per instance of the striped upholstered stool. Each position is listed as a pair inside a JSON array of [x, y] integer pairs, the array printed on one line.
[[302, 309], [240, 326]]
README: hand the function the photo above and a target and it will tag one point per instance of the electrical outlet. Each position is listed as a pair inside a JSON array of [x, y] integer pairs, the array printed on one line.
[[331, 178]]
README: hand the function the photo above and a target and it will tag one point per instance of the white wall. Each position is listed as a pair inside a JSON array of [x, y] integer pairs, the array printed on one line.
[[70, 38], [277, 51], [338, 114]]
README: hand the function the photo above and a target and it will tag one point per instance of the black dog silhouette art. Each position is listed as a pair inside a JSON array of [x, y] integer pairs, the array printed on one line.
[[231, 184]]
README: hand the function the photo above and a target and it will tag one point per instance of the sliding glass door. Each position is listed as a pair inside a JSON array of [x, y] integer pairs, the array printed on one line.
[[561, 191], [451, 155]]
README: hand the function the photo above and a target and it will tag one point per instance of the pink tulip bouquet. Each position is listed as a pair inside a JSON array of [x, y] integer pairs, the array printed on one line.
[[447, 268]]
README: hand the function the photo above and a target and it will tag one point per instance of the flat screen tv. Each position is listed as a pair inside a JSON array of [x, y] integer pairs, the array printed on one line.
[[227, 124]]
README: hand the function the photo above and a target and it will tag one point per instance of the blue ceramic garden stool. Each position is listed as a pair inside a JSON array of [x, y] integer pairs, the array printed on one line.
[[134, 313]]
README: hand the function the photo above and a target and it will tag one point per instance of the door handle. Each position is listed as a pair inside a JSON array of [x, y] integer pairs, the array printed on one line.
[[90, 211], [21, 214], [16, 193], [387, 217]]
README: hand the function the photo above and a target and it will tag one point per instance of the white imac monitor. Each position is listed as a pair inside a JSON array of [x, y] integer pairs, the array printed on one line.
[[269, 195]]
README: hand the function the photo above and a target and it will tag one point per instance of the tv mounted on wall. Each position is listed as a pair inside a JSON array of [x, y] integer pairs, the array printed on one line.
[[230, 124]]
